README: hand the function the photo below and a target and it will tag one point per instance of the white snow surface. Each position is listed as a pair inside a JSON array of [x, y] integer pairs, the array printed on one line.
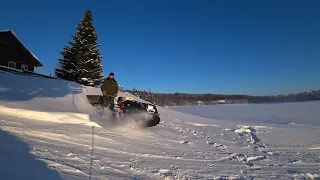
[[48, 130], [281, 113]]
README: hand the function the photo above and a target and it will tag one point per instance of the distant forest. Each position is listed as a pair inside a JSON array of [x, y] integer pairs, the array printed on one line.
[[184, 99]]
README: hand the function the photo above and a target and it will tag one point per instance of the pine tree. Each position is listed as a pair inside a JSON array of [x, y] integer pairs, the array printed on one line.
[[82, 61]]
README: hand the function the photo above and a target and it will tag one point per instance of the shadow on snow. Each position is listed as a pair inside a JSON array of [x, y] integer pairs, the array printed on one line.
[[16, 162], [29, 87]]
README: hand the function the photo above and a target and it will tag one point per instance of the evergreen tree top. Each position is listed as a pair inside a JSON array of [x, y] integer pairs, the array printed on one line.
[[81, 61]]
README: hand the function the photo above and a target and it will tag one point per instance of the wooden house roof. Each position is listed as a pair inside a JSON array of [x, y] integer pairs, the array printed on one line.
[[34, 58]]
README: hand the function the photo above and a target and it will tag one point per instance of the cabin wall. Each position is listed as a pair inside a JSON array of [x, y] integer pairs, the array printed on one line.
[[5, 62]]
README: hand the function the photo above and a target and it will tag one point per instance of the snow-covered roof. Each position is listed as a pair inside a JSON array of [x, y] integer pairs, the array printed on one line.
[[14, 34]]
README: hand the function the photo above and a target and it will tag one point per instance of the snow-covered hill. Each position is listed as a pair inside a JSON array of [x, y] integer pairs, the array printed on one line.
[[48, 130]]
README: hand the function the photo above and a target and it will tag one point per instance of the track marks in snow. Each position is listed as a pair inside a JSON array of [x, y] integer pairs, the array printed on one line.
[[248, 161], [239, 146], [306, 176], [76, 164], [199, 136], [170, 151], [194, 136], [67, 164], [250, 132]]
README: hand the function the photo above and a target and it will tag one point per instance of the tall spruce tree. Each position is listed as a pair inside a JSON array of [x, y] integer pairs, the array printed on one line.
[[82, 61]]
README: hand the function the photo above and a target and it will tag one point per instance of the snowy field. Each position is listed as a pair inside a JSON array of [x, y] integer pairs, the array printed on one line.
[[281, 113], [48, 130]]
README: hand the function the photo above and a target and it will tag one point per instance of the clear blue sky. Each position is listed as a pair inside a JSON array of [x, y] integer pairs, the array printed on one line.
[[207, 46]]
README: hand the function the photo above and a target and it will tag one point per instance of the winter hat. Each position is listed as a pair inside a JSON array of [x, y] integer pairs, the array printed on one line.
[[111, 74]]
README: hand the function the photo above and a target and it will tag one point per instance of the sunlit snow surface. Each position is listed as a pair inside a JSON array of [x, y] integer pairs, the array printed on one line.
[[48, 130]]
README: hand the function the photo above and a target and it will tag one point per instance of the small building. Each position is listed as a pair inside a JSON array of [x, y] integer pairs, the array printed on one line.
[[14, 55], [121, 88], [199, 103], [219, 102]]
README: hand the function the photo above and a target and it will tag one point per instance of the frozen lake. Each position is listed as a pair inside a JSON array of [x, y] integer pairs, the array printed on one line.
[[279, 113]]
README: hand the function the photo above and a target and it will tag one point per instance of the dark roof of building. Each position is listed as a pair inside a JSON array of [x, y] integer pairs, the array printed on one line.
[[36, 59]]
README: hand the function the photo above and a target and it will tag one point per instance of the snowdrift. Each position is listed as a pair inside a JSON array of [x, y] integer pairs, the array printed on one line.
[[50, 100], [48, 130], [44, 99]]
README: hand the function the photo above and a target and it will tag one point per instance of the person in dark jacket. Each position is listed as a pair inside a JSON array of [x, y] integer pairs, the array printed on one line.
[[109, 90]]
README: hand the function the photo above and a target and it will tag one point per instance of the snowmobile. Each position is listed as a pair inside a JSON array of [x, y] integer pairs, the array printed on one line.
[[143, 113], [146, 114]]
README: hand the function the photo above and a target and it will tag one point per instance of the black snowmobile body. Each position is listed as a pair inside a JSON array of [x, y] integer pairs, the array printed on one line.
[[145, 113]]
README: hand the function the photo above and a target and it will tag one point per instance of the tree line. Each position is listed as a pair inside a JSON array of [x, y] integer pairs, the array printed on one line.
[[185, 99]]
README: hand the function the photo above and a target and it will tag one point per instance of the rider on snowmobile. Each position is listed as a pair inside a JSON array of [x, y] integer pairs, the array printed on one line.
[[109, 90]]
